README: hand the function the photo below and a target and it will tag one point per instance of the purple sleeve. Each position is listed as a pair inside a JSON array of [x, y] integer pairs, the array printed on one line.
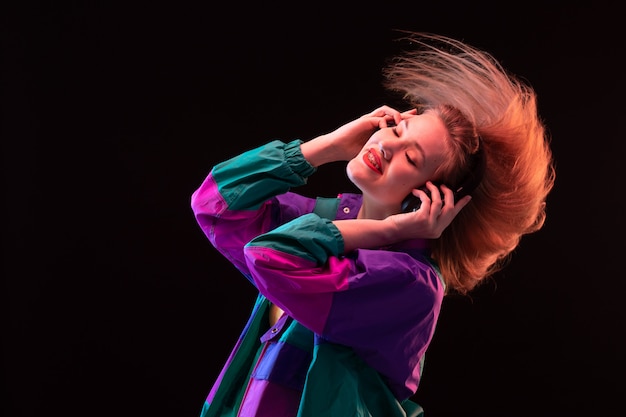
[[248, 195], [229, 230]]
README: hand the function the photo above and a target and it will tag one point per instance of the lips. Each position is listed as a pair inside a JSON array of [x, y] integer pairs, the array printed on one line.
[[372, 160]]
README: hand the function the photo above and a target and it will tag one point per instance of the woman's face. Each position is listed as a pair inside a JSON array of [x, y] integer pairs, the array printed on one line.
[[397, 159]]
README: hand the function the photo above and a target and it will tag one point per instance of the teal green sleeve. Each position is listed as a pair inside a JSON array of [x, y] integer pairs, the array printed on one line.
[[308, 237], [253, 177]]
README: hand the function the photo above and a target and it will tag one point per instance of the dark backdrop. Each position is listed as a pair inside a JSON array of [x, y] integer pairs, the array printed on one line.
[[113, 114]]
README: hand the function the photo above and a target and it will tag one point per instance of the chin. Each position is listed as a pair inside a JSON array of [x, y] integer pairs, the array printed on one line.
[[349, 170], [352, 177]]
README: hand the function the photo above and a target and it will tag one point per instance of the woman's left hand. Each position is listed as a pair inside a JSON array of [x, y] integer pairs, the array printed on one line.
[[433, 216]]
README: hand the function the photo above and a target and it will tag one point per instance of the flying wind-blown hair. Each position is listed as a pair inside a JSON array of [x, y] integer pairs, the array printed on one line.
[[477, 98]]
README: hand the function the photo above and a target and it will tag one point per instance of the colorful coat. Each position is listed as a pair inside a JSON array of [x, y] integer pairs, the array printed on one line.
[[356, 325]]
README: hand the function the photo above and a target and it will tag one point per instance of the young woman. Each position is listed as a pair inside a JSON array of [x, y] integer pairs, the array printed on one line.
[[350, 287]]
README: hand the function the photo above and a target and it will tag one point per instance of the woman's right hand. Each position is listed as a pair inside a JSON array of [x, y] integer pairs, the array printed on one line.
[[346, 142]]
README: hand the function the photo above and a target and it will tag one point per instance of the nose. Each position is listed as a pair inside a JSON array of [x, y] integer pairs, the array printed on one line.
[[381, 149], [385, 151]]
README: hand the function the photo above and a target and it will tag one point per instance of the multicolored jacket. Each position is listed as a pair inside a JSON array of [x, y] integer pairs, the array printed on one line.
[[356, 325]]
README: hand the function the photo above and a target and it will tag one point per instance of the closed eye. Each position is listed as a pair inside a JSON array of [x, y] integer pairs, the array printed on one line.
[[408, 158]]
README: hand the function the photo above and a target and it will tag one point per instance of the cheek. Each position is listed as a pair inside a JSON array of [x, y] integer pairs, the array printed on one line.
[[398, 185], [406, 177]]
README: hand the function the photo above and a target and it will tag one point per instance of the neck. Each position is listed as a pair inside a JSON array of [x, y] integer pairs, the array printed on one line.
[[374, 211]]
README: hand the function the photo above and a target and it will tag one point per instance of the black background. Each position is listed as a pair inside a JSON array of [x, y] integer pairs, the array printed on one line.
[[114, 113]]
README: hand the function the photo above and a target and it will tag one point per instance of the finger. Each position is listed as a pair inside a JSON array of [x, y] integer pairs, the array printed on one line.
[[384, 122], [393, 116], [388, 113], [385, 116], [409, 113], [404, 115], [436, 203], [462, 203], [383, 110], [448, 195], [435, 193]]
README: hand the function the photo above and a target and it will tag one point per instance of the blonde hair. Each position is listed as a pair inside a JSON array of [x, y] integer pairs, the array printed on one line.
[[485, 107]]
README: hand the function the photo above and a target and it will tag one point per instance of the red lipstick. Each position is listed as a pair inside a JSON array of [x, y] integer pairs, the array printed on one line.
[[372, 160]]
